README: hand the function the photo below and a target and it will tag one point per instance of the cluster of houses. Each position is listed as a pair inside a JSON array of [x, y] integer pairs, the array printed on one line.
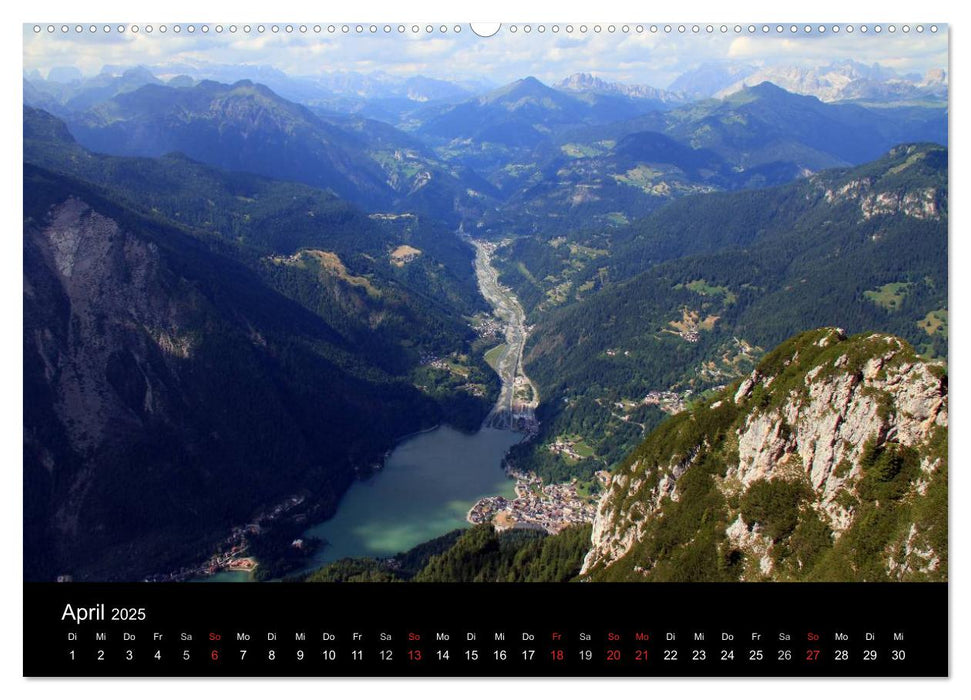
[[436, 363], [565, 448], [231, 554], [490, 327], [668, 401], [551, 508]]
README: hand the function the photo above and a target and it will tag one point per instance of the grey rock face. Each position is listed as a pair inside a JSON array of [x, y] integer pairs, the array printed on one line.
[[816, 433]]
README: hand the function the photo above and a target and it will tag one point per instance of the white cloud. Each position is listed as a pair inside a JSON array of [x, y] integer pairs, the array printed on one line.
[[654, 59]]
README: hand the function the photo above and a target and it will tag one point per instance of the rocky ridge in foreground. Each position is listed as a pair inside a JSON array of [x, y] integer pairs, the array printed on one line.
[[829, 462]]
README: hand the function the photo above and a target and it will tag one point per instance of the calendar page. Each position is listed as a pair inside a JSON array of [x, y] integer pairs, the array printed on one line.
[[449, 349]]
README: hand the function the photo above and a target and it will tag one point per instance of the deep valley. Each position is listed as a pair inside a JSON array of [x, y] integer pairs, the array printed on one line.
[[357, 327]]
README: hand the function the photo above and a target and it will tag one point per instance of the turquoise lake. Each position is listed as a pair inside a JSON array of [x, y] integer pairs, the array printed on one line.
[[425, 489]]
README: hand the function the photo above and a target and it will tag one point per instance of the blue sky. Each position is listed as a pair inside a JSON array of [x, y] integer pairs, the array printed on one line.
[[645, 58]]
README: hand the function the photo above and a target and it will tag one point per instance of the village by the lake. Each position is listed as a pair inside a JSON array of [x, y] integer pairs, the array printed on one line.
[[538, 506]]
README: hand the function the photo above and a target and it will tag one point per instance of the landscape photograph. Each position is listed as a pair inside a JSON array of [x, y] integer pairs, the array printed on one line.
[[562, 304]]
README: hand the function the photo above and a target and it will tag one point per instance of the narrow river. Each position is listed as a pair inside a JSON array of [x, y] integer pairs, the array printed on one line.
[[518, 397], [430, 481]]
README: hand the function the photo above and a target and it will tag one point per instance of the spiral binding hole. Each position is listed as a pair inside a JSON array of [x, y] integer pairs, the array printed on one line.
[[512, 29]]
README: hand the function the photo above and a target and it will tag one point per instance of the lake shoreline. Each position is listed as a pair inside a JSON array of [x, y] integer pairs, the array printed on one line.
[[419, 469], [423, 490]]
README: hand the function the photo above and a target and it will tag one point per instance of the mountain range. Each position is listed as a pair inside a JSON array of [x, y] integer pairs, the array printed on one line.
[[379, 94], [512, 159], [523, 114], [158, 289], [603, 175], [844, 80], [244, 126], [239, 293], [849, 81], [623, 312], [587, 82]]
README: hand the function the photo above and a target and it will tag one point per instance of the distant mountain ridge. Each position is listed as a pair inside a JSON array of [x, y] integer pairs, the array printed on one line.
[[764, 123], [839, 81], [354, 91], [509, 159], [587, 82], [599, 174], [248, 127], [525, 112], [375, 94], [244, 126]]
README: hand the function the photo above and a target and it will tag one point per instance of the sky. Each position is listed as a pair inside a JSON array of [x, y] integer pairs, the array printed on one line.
[[647, 58]]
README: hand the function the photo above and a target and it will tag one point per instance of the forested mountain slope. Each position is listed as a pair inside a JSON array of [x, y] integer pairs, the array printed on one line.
[[684, 299], [829, 462], [169, 393]]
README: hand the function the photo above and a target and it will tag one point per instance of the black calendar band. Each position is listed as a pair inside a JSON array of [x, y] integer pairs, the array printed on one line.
[[360, 630]]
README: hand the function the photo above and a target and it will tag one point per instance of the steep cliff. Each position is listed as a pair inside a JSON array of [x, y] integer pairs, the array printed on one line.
[[169, 394], [829, 462]]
